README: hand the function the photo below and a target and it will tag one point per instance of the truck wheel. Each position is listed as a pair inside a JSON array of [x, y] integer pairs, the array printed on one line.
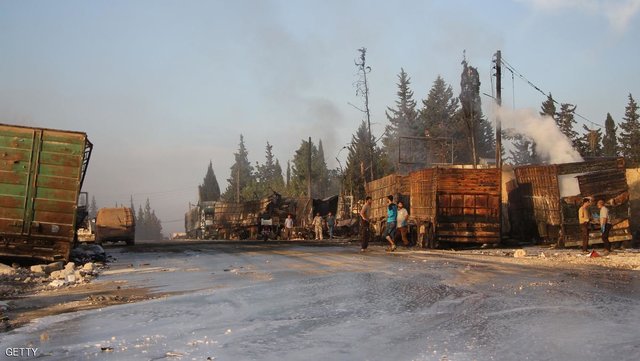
[[130, 242]]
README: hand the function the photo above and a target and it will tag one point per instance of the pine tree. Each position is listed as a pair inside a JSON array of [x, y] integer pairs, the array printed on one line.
[[609, 141], [403, 120], [93, 208], [548, 107], [629, 138], [269, 174], [132, 207], [209, 190], [299, 171], [438, 122], [565, 119], [241, 176], [140, 225], [523, 152], [288, 175], [356, 171], [320, 167]]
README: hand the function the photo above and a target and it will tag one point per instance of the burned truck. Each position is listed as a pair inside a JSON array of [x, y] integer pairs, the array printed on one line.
[[549, 197], [447, 204], [41, 175], [115, 225]]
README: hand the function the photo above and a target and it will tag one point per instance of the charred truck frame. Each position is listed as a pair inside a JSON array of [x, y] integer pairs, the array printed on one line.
[[550, 195], [447, 204]]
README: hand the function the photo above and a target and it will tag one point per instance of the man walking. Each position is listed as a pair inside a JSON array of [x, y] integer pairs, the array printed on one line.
[[392, 217], [331, 222], [583, 218], [365, 225], [317, 225], [403, 216], [288, 227], [605, 226]]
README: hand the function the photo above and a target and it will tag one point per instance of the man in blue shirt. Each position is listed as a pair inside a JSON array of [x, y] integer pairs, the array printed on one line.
[[392, 216]]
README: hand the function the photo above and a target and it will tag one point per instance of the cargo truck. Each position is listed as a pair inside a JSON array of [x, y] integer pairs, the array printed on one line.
[[41, 176]]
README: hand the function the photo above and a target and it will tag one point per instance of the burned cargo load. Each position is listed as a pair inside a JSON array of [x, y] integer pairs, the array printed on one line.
[[41, 175], [446, 204], [550, 196], [114, 225]]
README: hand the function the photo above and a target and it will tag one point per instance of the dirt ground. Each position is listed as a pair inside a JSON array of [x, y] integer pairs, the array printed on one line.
[[25, 297]]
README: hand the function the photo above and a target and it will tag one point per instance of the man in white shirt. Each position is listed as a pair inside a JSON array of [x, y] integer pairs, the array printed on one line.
[[605, 225], [403, 216], [288, 227], [317, 225]]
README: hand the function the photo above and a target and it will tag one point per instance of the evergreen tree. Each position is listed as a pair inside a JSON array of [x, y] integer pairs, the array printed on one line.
[[320, 165], [629, 138], [288, 175], [241, 176], [609, 141], [132, 207], [437, 121], [403, 121], [140, 225], [565, 119], [356, 171], [209, 190], [269, 174], [481, 141], [319, 172], [93, 208], [523, 152], [548, 107]]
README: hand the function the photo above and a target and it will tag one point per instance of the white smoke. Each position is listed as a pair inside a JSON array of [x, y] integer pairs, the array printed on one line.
[[551, 145]]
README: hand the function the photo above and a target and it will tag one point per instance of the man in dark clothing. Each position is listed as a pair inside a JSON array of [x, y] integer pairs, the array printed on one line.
[[365, 226]]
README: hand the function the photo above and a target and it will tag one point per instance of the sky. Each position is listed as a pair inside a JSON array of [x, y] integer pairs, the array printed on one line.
[[163, 87]]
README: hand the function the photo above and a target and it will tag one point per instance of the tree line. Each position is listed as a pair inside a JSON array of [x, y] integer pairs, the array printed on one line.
[[440, 128]]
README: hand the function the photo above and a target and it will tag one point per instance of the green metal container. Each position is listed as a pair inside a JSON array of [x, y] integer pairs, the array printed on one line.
[[41, 175]]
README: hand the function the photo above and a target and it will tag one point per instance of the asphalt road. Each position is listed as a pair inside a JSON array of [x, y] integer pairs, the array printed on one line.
[[292, 301]]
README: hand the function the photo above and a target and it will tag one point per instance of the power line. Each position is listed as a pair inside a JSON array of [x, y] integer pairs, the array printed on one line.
[[512, 69]]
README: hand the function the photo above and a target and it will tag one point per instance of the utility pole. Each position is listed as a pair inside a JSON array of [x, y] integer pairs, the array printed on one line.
[[499, 101], [309, 171], [365, 89]]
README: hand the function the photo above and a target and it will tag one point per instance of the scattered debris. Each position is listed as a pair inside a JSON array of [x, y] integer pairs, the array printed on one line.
[[6, 270], [519, 253], [88, 253]]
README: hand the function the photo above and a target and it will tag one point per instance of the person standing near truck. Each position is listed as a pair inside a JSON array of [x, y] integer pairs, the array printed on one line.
[[365, 224], [392, 217], [288, 227], [317, 225], [583, 218], [403, 216], [605, 226], [331, 223]]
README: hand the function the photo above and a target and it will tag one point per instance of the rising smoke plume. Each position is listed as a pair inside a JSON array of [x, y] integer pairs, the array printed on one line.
[[552, 146]]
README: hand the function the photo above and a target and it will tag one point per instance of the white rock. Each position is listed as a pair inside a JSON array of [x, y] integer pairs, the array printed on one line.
[[60, 275], [70, 266], [6, 270], [71, 278], [39, 268], [520, 253], [55, 266], [57, 283], [89, 266]]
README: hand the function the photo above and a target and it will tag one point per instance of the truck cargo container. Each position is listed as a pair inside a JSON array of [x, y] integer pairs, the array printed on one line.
[[114, 225], [551, 195], [41, 175]]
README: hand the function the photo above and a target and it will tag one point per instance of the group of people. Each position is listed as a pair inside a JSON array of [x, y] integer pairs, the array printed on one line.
[[585, 219], [319, 224], [397, 217]]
